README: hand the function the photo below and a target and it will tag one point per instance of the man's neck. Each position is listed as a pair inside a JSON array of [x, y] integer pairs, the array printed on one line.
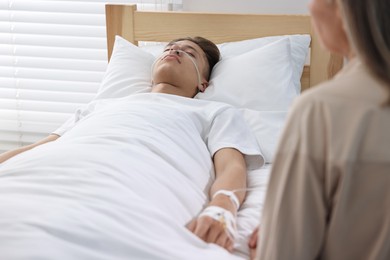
[[167, 88]]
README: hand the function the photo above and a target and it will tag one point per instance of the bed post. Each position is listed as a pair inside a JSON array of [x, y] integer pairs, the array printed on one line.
[[116, 17], [323, 65]]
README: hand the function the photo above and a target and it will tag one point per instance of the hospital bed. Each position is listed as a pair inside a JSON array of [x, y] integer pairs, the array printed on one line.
[[86, 210]]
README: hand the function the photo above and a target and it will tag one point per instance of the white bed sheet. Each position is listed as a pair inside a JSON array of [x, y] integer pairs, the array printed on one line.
[[77, 203], [250, 212]]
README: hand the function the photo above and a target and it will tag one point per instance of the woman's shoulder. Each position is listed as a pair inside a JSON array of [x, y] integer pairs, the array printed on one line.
[[353, 85]]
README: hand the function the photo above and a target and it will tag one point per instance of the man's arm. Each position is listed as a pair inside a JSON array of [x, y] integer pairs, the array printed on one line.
[[230, 170], [9, 154]]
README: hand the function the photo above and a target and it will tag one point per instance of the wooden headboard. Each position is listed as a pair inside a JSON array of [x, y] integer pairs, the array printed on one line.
[[133, 25]]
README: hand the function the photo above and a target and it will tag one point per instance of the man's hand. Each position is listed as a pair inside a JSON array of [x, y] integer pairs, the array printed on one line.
[[217, 222], [252, 243], [211, 231]]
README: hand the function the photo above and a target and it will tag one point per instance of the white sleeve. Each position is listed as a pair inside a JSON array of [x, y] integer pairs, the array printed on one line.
[[65, 126], [72, 121], [229, 130]]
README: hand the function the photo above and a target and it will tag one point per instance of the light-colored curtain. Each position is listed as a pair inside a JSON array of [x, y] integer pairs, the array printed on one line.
[[52, 58]]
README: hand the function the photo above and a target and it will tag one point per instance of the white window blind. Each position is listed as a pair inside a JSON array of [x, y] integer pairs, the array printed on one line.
[[52, 58]]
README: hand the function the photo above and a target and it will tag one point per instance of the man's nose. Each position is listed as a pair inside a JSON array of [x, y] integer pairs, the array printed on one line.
[[175, 50]]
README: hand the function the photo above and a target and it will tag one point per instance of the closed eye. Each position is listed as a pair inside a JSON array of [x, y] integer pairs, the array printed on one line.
[[191, 54]]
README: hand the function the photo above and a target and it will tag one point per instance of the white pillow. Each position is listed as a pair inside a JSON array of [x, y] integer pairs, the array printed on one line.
[[130, 66], [299, 49], [261, 81], [128, 72]]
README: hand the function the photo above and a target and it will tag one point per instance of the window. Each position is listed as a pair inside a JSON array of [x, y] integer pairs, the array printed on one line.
[[52, 58]]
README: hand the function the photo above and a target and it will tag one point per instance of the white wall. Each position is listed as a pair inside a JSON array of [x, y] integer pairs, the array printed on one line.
[[248, 6]]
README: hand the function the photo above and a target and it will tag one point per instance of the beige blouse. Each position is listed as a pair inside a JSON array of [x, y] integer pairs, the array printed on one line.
[[329, 190]]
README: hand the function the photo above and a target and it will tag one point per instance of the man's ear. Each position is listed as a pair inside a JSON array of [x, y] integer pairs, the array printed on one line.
[[202, 87]]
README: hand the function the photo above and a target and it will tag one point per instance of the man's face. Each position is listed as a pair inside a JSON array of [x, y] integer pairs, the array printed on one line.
[[176, 66]]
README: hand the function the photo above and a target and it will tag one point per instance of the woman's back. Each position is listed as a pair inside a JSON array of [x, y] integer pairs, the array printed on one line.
[[328, 195], [331, 176], [351, 143]]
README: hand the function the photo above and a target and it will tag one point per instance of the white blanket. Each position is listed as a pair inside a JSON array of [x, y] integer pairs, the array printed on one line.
[[121, 184]]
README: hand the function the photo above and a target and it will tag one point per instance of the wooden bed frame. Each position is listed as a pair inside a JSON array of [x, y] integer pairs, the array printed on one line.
[[133, 25]]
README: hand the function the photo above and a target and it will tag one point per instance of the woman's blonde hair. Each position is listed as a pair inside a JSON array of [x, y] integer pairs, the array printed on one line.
[[368, 25]]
